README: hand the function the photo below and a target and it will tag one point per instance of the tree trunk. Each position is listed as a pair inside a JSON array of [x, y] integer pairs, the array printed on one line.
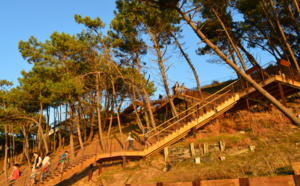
[[54, 129], [5, 152], [26, 144], [237, 51], [189, 63], [59, 130], [275, 102], [297, 7], [110, 123], [10, 147], [281, 43], [72, 155], [162, 71], [119, 124], [145, 97], [272, 46], [98, 110], [77, 121], [284, 38], [40, 129], [47, 125], [14, 148]]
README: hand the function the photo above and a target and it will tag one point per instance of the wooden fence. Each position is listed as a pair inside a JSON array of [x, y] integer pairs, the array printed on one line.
[[291, 180]]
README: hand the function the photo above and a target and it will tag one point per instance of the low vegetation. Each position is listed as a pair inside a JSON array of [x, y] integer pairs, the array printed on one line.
[[276, 140]]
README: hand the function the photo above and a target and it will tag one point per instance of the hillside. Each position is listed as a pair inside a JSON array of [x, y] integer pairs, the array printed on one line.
[[276, 143]]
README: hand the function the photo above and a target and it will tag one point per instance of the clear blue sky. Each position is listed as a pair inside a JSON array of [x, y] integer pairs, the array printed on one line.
[[20, 19]]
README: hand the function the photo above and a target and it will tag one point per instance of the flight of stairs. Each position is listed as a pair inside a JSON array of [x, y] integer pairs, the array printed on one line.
[[167, 136]]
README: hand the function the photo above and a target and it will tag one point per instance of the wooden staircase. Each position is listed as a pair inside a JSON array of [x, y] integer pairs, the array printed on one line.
[[165, 134]]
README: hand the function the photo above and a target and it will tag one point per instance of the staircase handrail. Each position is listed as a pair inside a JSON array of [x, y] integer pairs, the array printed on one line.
[[188, 115], [191, 107]]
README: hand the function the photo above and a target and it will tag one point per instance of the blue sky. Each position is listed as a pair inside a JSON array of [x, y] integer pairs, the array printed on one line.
[[21, 19]]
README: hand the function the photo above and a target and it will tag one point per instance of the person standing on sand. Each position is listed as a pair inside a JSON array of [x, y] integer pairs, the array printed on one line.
[[130, 139]]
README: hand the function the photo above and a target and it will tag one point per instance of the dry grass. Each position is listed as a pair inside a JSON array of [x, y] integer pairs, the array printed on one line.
[[272, 133]]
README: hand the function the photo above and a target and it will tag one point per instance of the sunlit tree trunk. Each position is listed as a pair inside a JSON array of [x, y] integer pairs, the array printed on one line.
[[275, 102], [284, 38]]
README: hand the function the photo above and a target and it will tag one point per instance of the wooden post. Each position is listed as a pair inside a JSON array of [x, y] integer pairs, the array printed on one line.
[[179, 107], [159, 184], [186, 113], [248, 106], [194, 132], [100, 168], [90, 172], [297, 179], [166, 113], [166, 154], [192, 148], [196, 183], [282, 94], [124, 161], [262, 75], [244, 181]]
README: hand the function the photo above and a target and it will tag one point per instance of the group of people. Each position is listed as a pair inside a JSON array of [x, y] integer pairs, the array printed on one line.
[[130, 139], [39, 166], [176, 88]]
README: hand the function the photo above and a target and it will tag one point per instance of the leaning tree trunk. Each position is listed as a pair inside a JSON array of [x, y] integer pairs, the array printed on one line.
[[274, 101], [162, 71], [145, 97], [189, 63], [237, 51], [284, 38], [98, 110], [297, 7]]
